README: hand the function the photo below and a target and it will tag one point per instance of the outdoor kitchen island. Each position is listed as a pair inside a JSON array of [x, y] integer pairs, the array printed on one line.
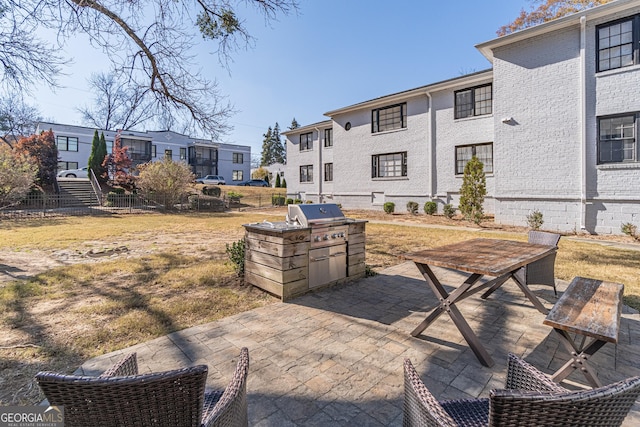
[[315, 247]]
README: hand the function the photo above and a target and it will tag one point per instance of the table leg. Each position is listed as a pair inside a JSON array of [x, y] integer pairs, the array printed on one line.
[[579, 360], [447, 304], [525, 289]]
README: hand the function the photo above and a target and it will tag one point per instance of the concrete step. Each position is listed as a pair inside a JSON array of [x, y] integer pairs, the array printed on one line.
[[77, 192]]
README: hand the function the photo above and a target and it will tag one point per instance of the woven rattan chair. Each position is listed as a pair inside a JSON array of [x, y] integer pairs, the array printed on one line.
[[530, 398], [122, 397], [541, 272]]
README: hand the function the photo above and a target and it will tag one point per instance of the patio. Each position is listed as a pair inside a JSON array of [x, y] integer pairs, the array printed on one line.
[[335, 357]]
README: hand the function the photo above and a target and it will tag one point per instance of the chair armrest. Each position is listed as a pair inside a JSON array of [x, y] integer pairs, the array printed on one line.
[[522, 376], [229, 407], [420, 407], [126, 366]]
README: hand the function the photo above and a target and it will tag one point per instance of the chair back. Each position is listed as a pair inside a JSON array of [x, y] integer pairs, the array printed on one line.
[[172, 398], [604, 406], [543, 238]]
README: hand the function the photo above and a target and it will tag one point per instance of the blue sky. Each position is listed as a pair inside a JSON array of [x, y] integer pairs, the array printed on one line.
[[332, 54]]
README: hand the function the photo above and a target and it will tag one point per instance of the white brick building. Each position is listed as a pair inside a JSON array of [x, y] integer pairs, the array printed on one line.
[[205, 157], [555, 121]]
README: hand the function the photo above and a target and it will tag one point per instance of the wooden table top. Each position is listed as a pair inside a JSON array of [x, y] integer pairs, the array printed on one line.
[[589, 307], [491, 257]]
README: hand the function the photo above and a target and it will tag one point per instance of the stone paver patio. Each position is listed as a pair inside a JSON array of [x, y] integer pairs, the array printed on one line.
[[334, 357]]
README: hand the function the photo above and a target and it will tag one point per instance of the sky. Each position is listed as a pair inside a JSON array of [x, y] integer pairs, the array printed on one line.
[[331, 54]]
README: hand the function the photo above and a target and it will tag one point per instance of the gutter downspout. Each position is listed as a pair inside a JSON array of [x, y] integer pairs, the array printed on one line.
[[583, 124], [320, 169], [430, 151]]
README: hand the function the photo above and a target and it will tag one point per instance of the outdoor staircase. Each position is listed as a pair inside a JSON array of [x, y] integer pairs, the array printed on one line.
[[77, 192]]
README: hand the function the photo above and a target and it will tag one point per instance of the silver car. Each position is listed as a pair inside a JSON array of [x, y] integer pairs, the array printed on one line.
[[212, 179], [74, 173]]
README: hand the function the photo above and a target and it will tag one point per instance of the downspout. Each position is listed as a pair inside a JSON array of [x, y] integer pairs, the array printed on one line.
[[583, 124], [320, 169], [430, 150]]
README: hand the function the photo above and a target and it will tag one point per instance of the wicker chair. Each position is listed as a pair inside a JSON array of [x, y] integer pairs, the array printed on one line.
[[122, 397], [541, 272], [530, 398]]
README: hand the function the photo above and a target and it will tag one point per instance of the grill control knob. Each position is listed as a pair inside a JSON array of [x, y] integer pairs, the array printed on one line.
[[316, 239], [334, 236], [326, 237]]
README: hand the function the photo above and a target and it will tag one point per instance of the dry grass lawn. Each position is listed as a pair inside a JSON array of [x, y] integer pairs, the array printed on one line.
[[74, 288]]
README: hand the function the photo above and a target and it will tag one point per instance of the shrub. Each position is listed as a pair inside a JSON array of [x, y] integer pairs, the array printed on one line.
[[289, 201], [284, 183], [473, 190], [430, 208], [234, 195], [534, 220], [235, 251], [369, 272], [167, 180], [412, 208], [630, 230], [211, 191], [389, 207], [277, 199], [297, 201], [449, 211]]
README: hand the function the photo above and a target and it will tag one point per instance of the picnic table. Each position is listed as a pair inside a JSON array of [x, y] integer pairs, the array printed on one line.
[[589, 308], [497, 258]]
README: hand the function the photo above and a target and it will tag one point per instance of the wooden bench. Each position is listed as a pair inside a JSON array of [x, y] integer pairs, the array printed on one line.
[[589, 308]]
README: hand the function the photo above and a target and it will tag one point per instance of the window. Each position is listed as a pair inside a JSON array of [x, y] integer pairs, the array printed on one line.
[[168, 154], [67, 143], [306, 141], [183, 154], [389, 118], [389, 165], [237, 176], [154, 151], [328, 137], [67, 165], [484, 153], [238, 158], [617, 141], [306, 173], [615, 43], [328, 171], [476, 101]]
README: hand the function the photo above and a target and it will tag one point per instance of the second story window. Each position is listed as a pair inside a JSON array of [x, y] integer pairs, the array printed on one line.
[[328, 137], [183, 154], [238, 158], [389, 118], [306, 141], [168, 154], [67, 143], [476, 101], [616, 44]]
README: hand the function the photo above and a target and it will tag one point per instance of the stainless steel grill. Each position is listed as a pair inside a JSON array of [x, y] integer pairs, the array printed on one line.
[[309, 215]]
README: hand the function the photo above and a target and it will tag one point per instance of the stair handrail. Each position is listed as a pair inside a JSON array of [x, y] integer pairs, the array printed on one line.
[[96, 186]]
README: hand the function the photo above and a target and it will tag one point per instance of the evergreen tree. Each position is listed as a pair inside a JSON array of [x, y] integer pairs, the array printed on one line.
[[473, 190], [279, 152], [284, 183], [267, 158], [98, 153], [277, 180], [44, 152], [294, 124]]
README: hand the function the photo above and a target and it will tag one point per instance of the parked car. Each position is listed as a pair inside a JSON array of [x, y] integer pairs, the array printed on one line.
[[212, 179], [74, 173], [254, 183]]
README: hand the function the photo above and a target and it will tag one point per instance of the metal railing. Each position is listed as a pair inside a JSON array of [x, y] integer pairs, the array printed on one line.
[[96, 186]]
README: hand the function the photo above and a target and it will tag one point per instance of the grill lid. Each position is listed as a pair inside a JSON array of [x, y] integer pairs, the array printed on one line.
[[315, 213]]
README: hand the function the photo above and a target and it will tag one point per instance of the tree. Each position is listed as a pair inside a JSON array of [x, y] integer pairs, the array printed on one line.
[[546, 11], [117, 104], [43, 151], [17, 174], [272, 149], [152, 41], [473, 190], [17, 119], [267, 156], [166, 181], [97, 156], [117, 165], [278, 184], [294, 124], [261, 173]]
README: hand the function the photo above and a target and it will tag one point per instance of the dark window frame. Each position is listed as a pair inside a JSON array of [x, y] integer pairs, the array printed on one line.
[[154, 151], [307, 144], [390, 124], [635, 42], [62, 142], [376, 165], [168, 154], [238, 158], [63, 165], [328, 172], [237, 175], [459, 168], [473, 109], [308, 173], [328, 137], [183, 153], [636, 146]]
